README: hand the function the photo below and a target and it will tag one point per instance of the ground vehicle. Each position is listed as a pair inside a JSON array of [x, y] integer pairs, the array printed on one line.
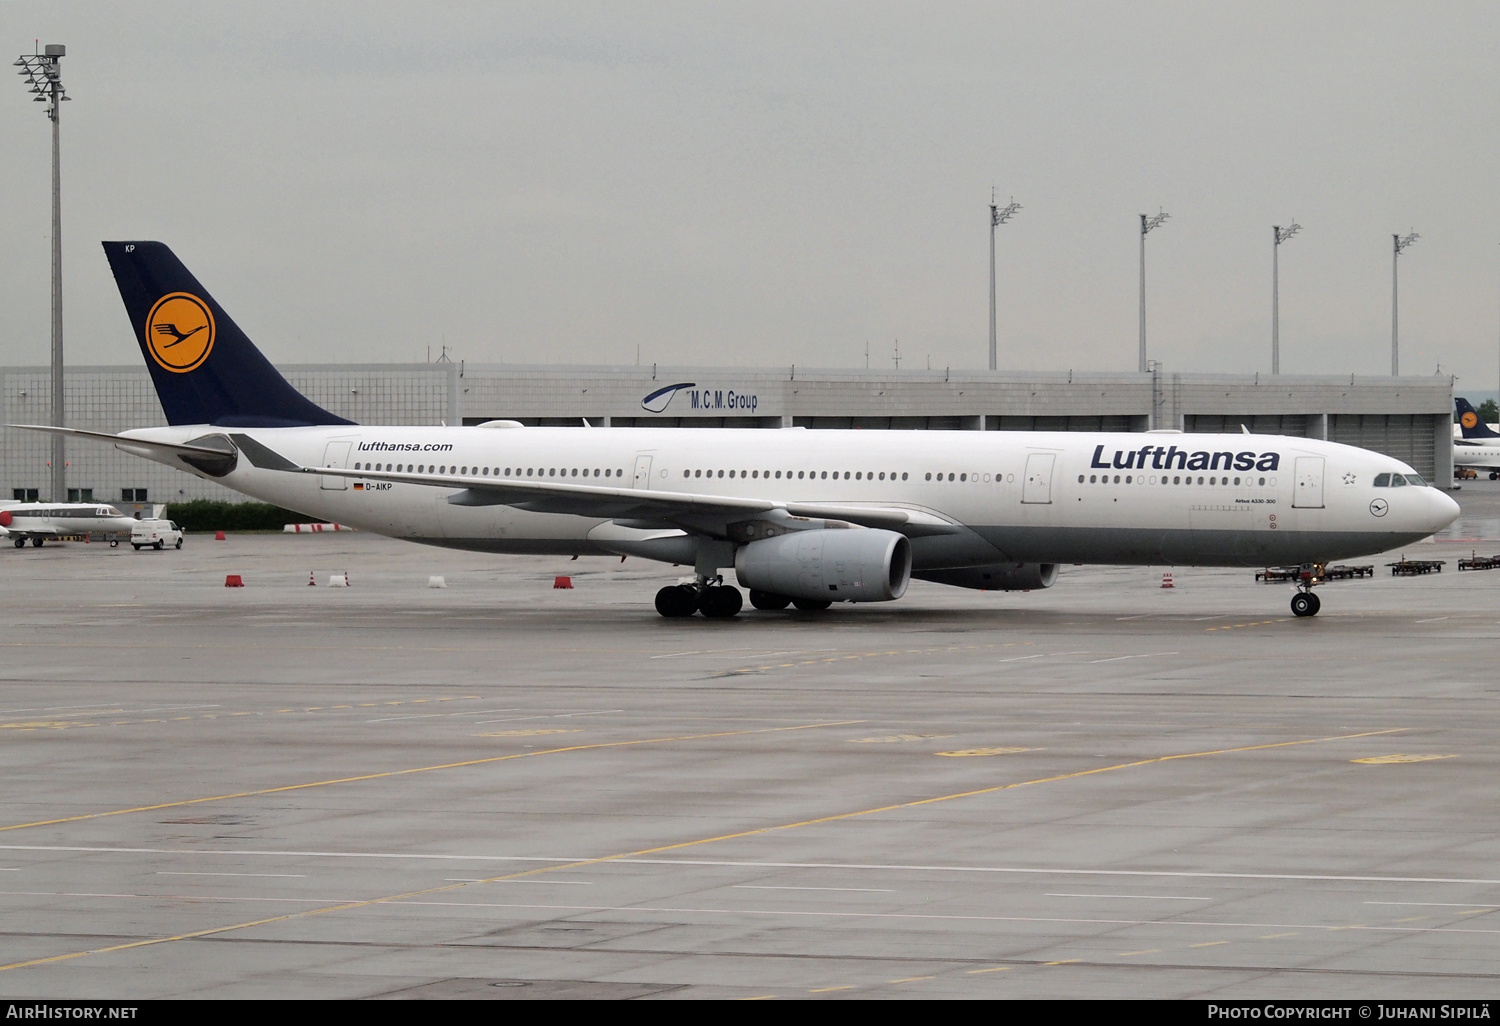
[[157, 534]]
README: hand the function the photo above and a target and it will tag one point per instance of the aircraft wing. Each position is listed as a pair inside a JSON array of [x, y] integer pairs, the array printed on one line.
[[690, 510]]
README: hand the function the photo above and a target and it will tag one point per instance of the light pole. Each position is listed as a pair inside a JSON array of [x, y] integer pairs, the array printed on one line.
[[43, 73], [1282, 234], [998, 216], [1399, 242], [1147, 223]]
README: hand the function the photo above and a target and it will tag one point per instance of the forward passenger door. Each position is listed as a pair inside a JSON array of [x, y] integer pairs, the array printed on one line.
[[1309, 493]]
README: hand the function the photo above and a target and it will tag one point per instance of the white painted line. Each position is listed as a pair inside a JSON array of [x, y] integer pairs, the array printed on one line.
[[1432, 619], [478, 879], [760, 913], [1142, 897], [768, 887], [893, 867], [1438, 904], [288, 876], [541, 716], [1143, 655]]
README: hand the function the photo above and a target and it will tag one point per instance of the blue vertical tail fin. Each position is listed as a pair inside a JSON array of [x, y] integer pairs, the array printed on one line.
[[1470, 423], [206, 371]]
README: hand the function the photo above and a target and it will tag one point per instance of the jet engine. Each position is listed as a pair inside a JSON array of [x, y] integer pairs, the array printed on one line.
[[839, 565], [996, 577]]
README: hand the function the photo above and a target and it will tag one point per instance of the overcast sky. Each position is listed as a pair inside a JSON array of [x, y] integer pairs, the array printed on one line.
[[767, 183]]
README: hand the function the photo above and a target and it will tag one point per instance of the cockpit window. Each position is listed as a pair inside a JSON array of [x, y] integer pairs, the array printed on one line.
[[1382, 480], [1397, 481], [1415, 479]]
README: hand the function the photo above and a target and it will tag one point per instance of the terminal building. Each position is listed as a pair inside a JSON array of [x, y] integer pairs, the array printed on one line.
[[1409, 418]]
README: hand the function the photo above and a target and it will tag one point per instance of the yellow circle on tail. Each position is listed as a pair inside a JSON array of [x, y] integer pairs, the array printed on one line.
[[1469, 420], [180, 332]]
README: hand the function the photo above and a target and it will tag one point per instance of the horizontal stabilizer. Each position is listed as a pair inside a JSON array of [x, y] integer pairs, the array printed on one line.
[[213, 454]]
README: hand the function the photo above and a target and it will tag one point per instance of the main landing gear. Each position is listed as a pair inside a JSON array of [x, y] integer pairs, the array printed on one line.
[[719, 601], [716, 601], [1305, 603]]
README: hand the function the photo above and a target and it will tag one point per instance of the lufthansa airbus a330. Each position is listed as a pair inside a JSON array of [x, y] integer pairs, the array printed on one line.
[[802, 517]]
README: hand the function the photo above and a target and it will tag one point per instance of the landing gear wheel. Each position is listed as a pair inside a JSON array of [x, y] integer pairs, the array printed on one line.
[[721, 602], [20, 543], [811, 605], [36, 543], [1305, 603], [767, 600], [676, 601]]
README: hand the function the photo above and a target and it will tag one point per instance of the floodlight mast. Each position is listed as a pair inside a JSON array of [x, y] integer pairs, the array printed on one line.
[[1399, 242], [1147, 224], [1281, 235], [43, 74], [998, 216]]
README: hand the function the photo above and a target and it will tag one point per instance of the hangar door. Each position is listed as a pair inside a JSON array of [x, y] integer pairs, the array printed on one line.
[[1038, 484], [1410, 438], [1309, 494]]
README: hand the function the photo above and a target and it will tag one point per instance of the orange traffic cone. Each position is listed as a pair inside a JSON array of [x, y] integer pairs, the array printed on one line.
[[312, 578], [1166, 581]]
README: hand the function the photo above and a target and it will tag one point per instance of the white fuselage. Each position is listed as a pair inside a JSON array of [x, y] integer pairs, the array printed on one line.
[[1029, 497], [1477, 453], [32, 520]]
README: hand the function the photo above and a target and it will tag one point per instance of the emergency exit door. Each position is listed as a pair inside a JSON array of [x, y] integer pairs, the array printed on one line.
[[642, 472], [1038, 484]]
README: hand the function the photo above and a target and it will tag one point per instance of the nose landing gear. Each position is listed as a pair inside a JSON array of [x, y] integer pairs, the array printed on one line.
[[1305, 603]]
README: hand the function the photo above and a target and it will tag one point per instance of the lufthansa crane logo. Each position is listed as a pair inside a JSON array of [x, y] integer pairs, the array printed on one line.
[[180, 332], [1470, 419]]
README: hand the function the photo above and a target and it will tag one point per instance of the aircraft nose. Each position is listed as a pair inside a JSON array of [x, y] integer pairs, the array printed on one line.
[[1442, 510]]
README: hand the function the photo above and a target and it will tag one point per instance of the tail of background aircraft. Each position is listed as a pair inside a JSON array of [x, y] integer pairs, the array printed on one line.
[[1469, 421], [205, 370]]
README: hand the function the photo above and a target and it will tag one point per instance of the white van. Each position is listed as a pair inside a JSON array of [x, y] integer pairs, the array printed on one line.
[[157, 534]]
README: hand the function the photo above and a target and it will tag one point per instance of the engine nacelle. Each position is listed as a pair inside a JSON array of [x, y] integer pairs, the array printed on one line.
[[995, 577], [849, 565]]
